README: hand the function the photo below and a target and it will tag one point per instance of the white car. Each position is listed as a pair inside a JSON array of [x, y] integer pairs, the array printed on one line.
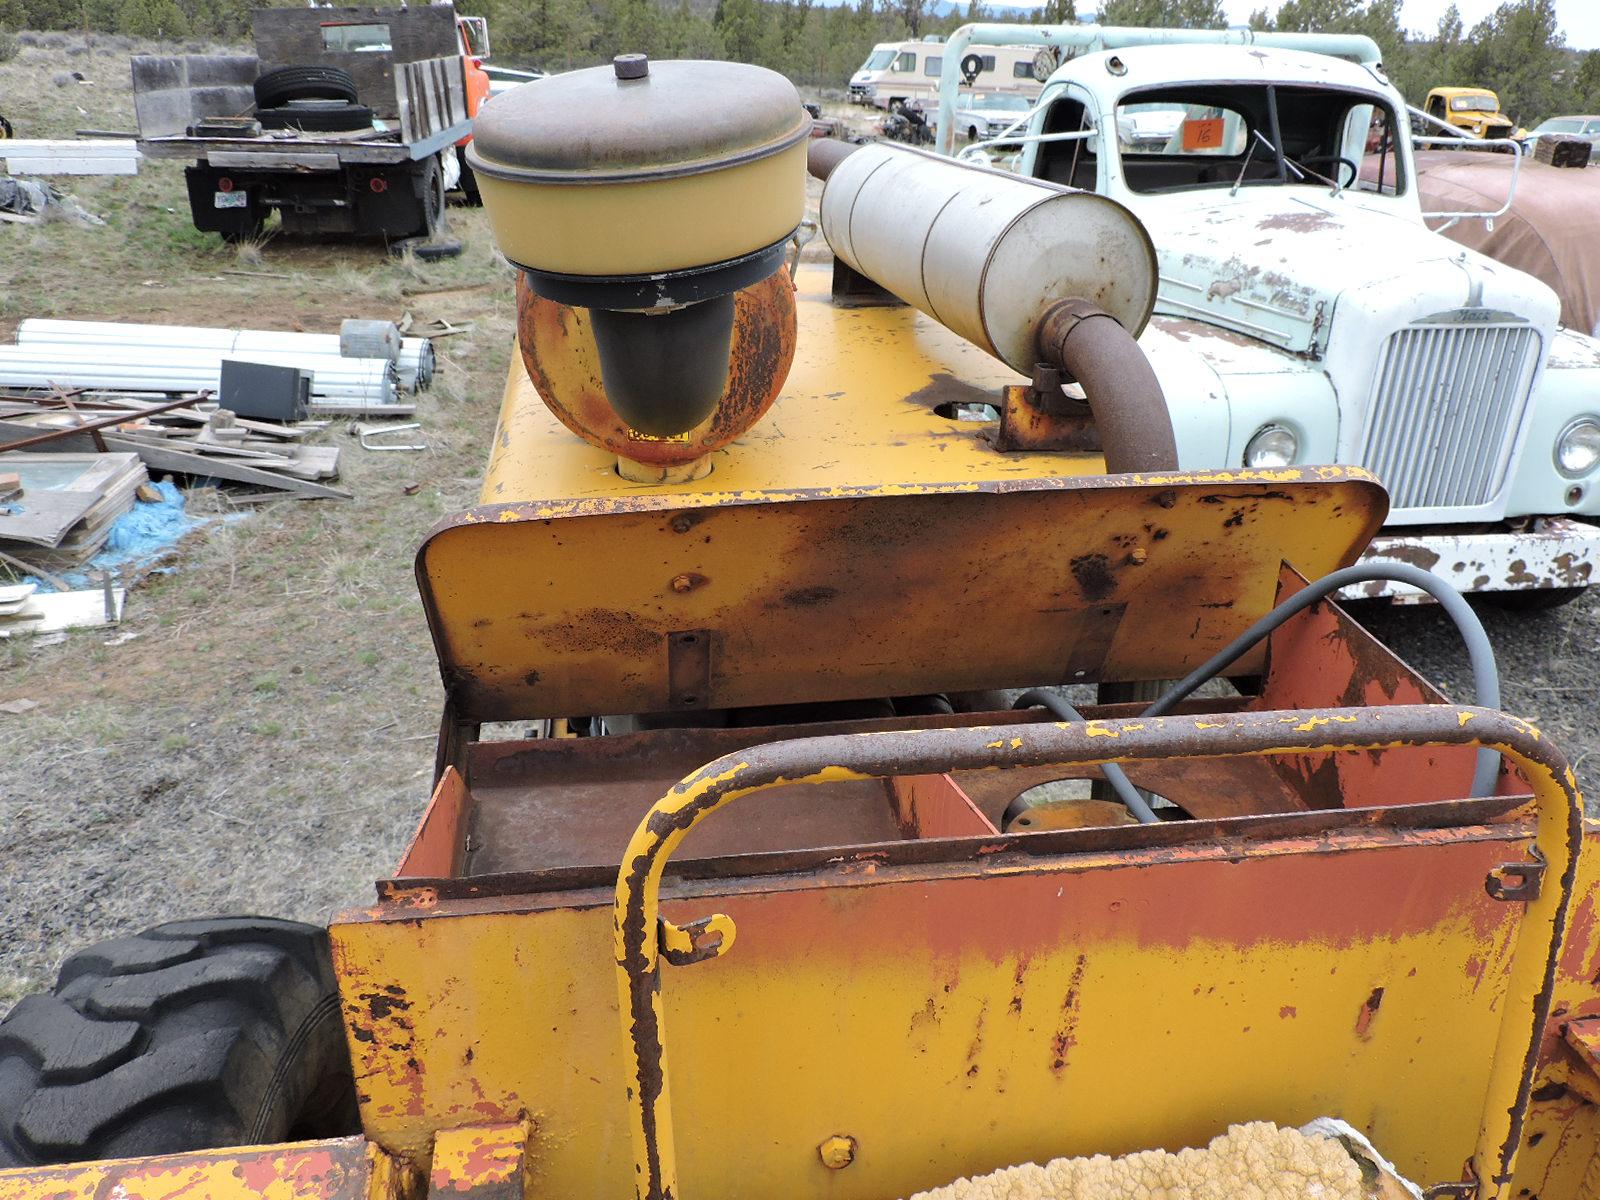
[[987, 114]]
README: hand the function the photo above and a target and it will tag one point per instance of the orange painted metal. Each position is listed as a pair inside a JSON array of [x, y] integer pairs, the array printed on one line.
[[342, 1169], [482, 1162], [439, 845], [934, 806]]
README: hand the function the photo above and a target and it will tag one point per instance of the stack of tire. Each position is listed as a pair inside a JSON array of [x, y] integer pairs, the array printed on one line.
[[310, 99]]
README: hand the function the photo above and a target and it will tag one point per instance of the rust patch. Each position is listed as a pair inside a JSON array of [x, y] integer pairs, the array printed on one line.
[[809, 597], [1298, 222], [1066, 1037], [1369, 1010], [1093, 573]]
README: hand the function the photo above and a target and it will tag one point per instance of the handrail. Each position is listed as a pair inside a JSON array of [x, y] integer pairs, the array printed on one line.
[[643, 937]]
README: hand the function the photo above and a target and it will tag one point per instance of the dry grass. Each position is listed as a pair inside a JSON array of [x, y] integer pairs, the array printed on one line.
[[264, 743]]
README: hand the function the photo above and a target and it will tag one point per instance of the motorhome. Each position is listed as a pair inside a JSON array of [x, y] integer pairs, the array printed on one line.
[[901, 73]]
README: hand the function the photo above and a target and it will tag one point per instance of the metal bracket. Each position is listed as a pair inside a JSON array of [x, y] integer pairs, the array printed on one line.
[[851, 289], [1451, 1191], [689, 668], [1515, 881], [1040, 416]]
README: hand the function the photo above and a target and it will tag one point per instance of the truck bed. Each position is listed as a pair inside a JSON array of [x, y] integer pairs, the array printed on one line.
[[301, 151]]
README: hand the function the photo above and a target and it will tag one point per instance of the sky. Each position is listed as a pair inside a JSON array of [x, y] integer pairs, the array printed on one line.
[[1579, 19]]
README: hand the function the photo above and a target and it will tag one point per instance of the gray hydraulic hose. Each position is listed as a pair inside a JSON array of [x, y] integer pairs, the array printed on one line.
[[1480, 654], [1114, 775]]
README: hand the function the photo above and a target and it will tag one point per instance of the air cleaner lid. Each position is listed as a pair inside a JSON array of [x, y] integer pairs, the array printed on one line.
[[636, 121]]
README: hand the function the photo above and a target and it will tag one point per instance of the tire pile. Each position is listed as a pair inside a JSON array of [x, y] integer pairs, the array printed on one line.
[[310, 99]]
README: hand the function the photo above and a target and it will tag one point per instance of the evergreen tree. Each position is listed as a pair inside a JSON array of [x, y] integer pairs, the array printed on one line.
[[1181, 14], [1059, 12]]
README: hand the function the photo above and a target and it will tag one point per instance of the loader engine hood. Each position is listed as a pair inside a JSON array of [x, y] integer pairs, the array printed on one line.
[[1273, 265]]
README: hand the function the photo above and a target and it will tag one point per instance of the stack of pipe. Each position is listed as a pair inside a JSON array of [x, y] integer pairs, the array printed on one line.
[[130, 356]]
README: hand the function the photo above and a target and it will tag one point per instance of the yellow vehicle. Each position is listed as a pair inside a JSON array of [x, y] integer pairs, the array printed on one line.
[[1476, 110], [817, 906]]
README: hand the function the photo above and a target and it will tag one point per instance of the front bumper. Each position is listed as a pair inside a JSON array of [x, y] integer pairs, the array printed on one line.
[[1545, 552]]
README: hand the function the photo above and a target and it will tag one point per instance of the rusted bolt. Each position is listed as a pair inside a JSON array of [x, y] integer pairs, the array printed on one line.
[[1138, 555], [838, 1151], [681, 523], [683, 583]]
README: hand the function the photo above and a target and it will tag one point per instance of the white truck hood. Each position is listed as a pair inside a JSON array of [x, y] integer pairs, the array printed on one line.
[[1272, 263]]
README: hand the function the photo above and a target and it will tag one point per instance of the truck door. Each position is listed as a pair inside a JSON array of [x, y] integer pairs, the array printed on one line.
[[1076, 162]]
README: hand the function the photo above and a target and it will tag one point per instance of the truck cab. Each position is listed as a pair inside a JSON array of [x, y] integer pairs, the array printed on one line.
[[1475, 110], [1307, 313]]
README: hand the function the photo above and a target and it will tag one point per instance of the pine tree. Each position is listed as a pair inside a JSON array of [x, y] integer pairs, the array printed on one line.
[[1181, 14]]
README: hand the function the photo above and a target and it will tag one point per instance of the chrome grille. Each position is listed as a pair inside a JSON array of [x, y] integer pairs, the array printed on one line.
[[1447, 399]]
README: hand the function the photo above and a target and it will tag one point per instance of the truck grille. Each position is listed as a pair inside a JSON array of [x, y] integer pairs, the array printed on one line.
[[1446, 402]]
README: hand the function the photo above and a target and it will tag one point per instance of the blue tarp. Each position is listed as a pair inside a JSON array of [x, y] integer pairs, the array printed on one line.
[[137, 538]]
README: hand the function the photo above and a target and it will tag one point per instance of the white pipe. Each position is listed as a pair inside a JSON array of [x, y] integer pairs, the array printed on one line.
[[158, 368], [414, 363]]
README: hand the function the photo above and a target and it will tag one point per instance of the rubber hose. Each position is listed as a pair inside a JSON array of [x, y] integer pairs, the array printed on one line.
[[1480, 654], [1115, 775]]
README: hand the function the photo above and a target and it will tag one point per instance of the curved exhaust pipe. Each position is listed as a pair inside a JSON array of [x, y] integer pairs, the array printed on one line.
[[1031, 272]]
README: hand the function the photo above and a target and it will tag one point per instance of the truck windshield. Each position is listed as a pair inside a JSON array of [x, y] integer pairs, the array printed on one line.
[[1474, 104], [1209, 135]]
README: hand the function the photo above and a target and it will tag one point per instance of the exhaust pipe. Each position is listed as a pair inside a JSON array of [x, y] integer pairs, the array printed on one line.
[[1020, 268]]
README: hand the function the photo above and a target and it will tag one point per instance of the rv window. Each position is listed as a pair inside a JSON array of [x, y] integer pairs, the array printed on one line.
[[370, 39], [880, 59], [932, 65], [1022, 70], [908, 61], [988, 62]]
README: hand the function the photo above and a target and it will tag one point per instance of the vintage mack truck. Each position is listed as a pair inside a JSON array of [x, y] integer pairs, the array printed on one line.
[[1308, 314]]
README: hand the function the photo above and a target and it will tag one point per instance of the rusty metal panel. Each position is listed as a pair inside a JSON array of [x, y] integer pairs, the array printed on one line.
[[439, 845], [1321, 658], [343, 1169], [1001, 1003], [568, 608]]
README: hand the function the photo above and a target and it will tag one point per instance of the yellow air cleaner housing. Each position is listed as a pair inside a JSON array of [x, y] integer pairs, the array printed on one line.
[[650, 195]]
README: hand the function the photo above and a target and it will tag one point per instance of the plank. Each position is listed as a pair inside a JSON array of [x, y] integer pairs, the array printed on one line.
[[43, 518], [47, 612]]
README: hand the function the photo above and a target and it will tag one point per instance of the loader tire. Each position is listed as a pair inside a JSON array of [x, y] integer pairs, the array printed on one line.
[[277, 87], [190, 1035]]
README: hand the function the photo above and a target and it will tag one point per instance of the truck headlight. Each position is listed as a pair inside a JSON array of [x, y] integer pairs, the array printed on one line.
[[1578, 447], [1272, 446]]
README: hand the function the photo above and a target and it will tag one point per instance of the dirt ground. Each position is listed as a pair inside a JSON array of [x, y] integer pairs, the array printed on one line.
[[263, 743]]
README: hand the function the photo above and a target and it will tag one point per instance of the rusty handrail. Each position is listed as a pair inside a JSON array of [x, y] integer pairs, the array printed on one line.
[[643, 937]]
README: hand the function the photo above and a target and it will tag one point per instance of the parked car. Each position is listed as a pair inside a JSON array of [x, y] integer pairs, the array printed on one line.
[[1307, 316], [1475, 110], [987, 114], [1587, 128], [1145, 126]]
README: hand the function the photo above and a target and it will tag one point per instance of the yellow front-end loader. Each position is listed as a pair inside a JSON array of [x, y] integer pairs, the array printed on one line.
[[817, 884]]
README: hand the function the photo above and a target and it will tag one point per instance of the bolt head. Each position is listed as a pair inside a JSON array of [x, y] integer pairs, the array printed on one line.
[[631, 66], [838, 1151]]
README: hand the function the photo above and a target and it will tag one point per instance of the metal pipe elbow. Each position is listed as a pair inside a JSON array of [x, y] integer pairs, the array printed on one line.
[[1091, 346]]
